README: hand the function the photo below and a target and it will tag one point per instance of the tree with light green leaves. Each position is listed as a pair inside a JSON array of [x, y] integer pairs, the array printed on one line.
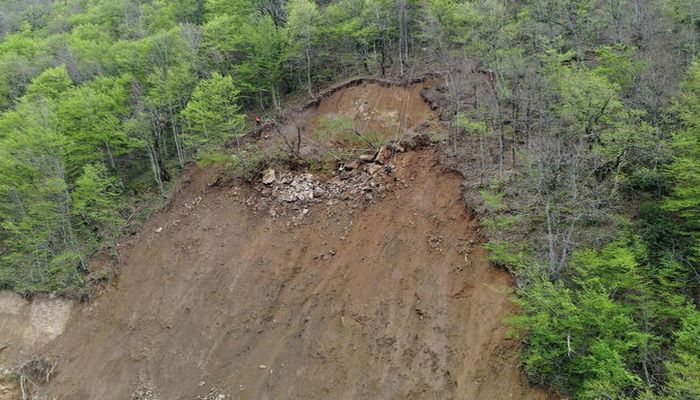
[[91, 117], [41, 252], [301, 25], [213, 113], [684, 171], [95, 200]]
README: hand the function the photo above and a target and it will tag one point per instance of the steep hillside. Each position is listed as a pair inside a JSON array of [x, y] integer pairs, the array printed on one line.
[[368, 284]]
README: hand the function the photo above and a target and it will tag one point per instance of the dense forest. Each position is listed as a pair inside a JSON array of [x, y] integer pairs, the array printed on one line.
[[575, 123]]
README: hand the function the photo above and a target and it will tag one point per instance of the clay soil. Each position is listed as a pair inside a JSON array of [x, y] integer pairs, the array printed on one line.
[[387, 298]]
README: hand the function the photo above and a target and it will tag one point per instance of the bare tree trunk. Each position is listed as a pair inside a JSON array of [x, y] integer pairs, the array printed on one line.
[[308, 67]]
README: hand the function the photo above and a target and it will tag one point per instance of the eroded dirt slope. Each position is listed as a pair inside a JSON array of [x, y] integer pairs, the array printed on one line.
[[369, 285], [387, 300]]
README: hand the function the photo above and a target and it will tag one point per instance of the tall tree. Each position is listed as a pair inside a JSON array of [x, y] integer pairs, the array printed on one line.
[[301, 23], [213, 112]]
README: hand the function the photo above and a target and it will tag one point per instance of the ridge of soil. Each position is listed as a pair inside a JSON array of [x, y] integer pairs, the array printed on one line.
[[328, 92]]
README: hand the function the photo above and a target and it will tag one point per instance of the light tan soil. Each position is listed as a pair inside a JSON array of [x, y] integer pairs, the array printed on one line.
[[27, 325]]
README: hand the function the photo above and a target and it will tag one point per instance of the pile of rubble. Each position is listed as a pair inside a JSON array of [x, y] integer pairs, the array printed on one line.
[[356, 181]]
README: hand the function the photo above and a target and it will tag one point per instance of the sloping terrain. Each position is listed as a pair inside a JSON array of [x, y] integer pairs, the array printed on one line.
[[26, 326], [379, 291]]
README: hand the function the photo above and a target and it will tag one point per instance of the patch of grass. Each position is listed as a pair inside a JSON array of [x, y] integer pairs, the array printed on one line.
[[342, 130], [500, 221], [506, 254], [248, 164], [493, 200], [209, 158]]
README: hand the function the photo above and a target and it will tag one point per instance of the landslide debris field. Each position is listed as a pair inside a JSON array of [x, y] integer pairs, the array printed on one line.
[[314, 286]]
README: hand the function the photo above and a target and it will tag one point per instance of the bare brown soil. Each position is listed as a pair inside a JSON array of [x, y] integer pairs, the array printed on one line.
[[387, 296]]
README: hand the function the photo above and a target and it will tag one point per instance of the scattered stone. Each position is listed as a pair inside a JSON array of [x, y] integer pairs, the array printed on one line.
[[262, 366], [269, 177], [319, 193], [288, 197], [373, 169], [383, 155], [292, 194], [352, 165], [215, 394], [434, 241], [158, 229]]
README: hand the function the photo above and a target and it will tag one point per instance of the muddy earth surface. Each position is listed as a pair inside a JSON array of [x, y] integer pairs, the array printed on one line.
[[371, 283]]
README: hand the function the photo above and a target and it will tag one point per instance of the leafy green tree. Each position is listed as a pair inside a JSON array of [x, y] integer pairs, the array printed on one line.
[[585, 341], [40, 250], [95, 200], [684, 171], [51, 83], [252, 49], [684, 368], [170, 89], [91, 118], [301, 23], [213, 112]]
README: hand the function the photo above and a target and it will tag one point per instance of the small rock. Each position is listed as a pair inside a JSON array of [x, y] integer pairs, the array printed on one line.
[[383, 155], [374, 168], [289, 197], [159, 229], [399, 148], [262, 366], [354, 164], [269, 176]]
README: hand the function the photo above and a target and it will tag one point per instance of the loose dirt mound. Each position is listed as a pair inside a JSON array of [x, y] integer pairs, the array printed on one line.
[[358, 286]]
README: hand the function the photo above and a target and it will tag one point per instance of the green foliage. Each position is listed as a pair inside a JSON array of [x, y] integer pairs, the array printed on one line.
[[507, 254], [247, 164], [335, 126], [684, 368], [91, 118], [618, 64], [493, 200], [584, 341], [209, 158], [39, 251], [213, 112], [472, 127], [95, 201], [51, 83], [684, 171]]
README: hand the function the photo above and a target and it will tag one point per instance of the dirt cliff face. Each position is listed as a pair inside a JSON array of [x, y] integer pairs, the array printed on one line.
[[380, 290]]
